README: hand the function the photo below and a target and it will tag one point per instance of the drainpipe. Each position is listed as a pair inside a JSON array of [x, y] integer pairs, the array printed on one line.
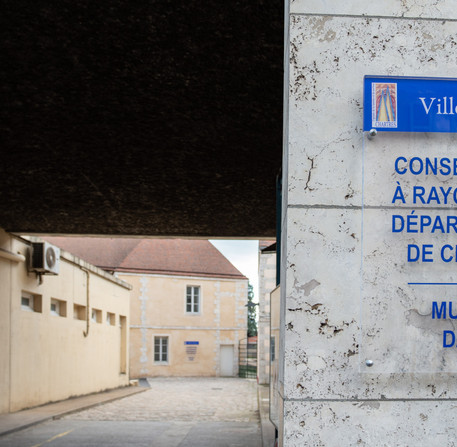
[[278, 226], [86, 332]]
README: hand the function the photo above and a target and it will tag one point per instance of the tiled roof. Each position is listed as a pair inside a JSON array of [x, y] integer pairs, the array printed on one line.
[[183, 257]]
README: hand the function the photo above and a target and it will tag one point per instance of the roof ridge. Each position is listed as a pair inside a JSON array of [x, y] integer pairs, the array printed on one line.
[[225, 257], [181, 272], [129, 252]]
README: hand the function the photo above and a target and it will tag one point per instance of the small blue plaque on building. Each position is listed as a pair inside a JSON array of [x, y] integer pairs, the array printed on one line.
[[409, 104], [191, 350]]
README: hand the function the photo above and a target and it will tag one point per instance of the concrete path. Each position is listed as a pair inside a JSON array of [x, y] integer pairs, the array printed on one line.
[[173, 412]]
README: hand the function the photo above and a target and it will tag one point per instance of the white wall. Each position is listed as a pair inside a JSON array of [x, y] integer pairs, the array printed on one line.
[[329, 396]]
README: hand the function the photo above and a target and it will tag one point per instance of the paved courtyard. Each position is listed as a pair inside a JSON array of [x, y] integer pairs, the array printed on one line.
[[183, 399], [173, 412]]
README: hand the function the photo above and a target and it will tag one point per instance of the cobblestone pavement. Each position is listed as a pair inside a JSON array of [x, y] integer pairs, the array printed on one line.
[[183, 399]]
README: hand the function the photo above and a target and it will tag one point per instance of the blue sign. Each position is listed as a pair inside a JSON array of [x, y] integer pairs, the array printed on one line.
[[408, 104], [191, 342]]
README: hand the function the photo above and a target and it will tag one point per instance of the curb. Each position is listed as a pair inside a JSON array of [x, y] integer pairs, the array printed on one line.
[[266, 427], [14, 422]]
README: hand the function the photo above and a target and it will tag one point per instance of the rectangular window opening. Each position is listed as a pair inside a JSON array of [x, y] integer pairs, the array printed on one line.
[[123, 357], [193, 299], [31, 302], [272, 348], [96, 315], [58, 307], [79, 312], [161, 349], [110, 318]]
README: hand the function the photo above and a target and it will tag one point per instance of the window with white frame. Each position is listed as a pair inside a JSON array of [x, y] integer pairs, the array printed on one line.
[[96, 315], [161, 349], [55, 308], [31, 302], [110, 318], [58, 307], [27, 301], [193, 299]]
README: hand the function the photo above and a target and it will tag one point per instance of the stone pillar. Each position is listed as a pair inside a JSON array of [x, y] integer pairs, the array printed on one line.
[[343, 270], [267, 282]]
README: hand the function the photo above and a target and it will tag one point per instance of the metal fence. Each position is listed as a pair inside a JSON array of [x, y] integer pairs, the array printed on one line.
[[248, 359]]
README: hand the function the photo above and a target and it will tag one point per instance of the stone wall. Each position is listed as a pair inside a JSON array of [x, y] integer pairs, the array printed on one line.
[[338, 253], [158, 309]]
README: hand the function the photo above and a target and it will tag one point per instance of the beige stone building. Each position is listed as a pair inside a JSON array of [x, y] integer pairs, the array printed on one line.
[[188, 305], [267, 282], [62, 334]]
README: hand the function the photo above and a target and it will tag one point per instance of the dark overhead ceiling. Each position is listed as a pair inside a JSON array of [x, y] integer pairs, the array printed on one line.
[[156, 118]]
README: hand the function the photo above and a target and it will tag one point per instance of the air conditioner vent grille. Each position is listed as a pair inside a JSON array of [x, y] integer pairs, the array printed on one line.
[[44, 258]]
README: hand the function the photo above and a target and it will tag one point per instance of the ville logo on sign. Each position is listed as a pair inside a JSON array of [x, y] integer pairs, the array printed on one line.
[[384, 104]]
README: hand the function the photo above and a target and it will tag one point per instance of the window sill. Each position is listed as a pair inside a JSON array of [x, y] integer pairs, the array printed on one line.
[[27, 308]]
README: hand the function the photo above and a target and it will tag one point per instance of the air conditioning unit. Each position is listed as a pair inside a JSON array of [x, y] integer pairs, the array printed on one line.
[[44, 258]]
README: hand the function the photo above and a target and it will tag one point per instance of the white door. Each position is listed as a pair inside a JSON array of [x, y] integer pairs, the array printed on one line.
[[226, 360]]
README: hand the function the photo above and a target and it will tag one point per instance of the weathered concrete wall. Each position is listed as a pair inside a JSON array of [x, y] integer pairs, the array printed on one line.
[[158, 308], [329, 397]]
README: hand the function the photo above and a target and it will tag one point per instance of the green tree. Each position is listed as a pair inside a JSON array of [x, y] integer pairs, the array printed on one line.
[[252, 313]]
